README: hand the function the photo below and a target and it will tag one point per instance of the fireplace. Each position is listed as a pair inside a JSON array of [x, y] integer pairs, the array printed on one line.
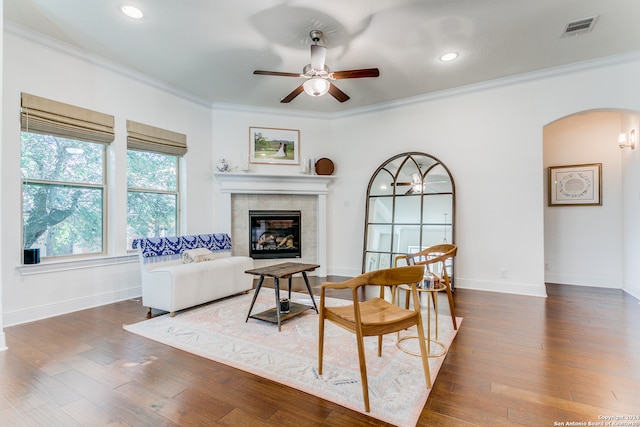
[[242, 192], [274, 234]]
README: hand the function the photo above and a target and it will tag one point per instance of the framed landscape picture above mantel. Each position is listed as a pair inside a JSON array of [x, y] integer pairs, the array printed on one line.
[[274, 146], [575, 185]]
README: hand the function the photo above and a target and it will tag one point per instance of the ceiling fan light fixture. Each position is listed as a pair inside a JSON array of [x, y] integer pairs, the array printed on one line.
[[317, 75], [316, 86]]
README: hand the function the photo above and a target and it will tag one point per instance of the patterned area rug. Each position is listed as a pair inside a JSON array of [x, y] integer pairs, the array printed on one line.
[[218, 331]]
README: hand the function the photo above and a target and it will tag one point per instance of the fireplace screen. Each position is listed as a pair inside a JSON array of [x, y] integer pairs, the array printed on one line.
[[274, 234]]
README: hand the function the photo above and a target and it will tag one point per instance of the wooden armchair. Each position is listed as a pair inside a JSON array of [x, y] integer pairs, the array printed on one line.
[[376, 316], [432, 256]]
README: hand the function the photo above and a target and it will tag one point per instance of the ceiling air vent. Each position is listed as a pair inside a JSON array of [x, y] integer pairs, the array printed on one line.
[[579, 27]]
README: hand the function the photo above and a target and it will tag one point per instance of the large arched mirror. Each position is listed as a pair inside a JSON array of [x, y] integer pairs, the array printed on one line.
[[410, 207]]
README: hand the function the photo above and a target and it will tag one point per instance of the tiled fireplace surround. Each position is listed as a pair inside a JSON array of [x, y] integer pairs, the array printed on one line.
[[242, 192]]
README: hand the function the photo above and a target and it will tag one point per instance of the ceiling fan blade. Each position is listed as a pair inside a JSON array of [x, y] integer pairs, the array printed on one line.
[[318, 56], [275, 73], [356, 74], [337, 93], [297, 91]]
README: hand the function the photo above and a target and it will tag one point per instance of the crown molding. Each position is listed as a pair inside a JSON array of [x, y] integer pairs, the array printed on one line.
[[495, 83], [39, 38], [35, 37], [271, 110], [460, 90]]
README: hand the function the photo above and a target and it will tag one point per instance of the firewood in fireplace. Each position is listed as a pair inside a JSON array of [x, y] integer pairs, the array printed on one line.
[[286, 241], [266, 240]]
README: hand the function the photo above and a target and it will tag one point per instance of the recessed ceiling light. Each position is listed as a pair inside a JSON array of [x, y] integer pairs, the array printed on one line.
[[449, 56], [132, 11]]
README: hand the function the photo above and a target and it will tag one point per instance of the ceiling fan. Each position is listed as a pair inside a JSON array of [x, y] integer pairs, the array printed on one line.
[[317, 74]]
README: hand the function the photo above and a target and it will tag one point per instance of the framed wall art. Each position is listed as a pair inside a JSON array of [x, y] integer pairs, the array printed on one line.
[[274, 146], [575, 185]]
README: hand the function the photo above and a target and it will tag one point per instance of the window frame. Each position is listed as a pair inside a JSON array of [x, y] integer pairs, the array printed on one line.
[[176, 193], [103, 186]]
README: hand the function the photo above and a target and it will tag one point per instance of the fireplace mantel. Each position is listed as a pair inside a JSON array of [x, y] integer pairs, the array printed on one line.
[[257, 183]]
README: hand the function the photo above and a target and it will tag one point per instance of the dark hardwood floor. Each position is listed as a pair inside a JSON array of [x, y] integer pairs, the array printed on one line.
[[572, 357]]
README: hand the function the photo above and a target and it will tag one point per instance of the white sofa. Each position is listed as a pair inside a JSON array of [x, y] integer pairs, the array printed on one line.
[[169, 284]]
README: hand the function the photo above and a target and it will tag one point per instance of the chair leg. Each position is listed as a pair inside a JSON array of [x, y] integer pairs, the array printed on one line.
[[379, 345], [320, 340], [424, 353], [363, 372], [453, 311]]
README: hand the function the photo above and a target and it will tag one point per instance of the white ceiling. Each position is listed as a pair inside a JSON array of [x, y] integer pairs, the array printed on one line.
[[208, 49]]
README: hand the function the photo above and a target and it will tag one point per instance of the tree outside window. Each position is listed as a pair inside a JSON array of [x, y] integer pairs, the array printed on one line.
[[152, 197], [63, 195]]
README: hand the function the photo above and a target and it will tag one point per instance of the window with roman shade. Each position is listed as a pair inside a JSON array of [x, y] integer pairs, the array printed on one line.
[[48, 117], [143, 137], [64, 175], [153, 197]]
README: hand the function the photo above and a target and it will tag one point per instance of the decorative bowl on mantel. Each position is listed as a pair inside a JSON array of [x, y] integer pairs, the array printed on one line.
[[324, 166]]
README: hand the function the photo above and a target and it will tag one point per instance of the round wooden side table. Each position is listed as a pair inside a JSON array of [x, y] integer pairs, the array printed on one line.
[[432, 294]]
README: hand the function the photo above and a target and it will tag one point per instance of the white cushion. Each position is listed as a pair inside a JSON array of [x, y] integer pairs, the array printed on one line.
[[197, 255]]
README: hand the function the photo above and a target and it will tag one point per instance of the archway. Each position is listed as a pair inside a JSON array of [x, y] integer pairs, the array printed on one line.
[[588, 245]]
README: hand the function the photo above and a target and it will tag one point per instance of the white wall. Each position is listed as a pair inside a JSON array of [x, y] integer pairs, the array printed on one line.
[[231, 134], [3, 344], [51, 73], [230, 140], [498, 222], [490, 137], [631, 212], [492, 142]]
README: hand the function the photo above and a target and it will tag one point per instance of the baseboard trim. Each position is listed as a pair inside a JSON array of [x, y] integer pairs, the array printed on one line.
[[32, 314], [634, 291], [613, 282], [502, 287], [345, 272]]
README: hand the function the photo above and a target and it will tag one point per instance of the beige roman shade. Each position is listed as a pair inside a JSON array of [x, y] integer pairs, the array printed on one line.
[[149, 138], [41, 115]]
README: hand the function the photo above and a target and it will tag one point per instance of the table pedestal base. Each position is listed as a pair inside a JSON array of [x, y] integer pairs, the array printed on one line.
[[442, 352]]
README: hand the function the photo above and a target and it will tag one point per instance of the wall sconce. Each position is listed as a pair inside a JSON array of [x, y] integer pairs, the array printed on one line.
[[622, 140]]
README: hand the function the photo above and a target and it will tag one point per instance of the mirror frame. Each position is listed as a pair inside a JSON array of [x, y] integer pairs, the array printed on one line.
[[388, 170]]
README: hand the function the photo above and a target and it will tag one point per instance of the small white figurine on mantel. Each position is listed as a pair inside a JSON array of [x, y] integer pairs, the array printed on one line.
[[223, 165]]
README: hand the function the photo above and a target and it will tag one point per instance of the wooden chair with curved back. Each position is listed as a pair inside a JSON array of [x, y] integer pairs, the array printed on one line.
[[432, 256], [375, 316]]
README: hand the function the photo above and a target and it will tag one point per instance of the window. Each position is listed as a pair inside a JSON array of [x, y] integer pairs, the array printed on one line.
[[152, 197], [62, 195], [63, 172]]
